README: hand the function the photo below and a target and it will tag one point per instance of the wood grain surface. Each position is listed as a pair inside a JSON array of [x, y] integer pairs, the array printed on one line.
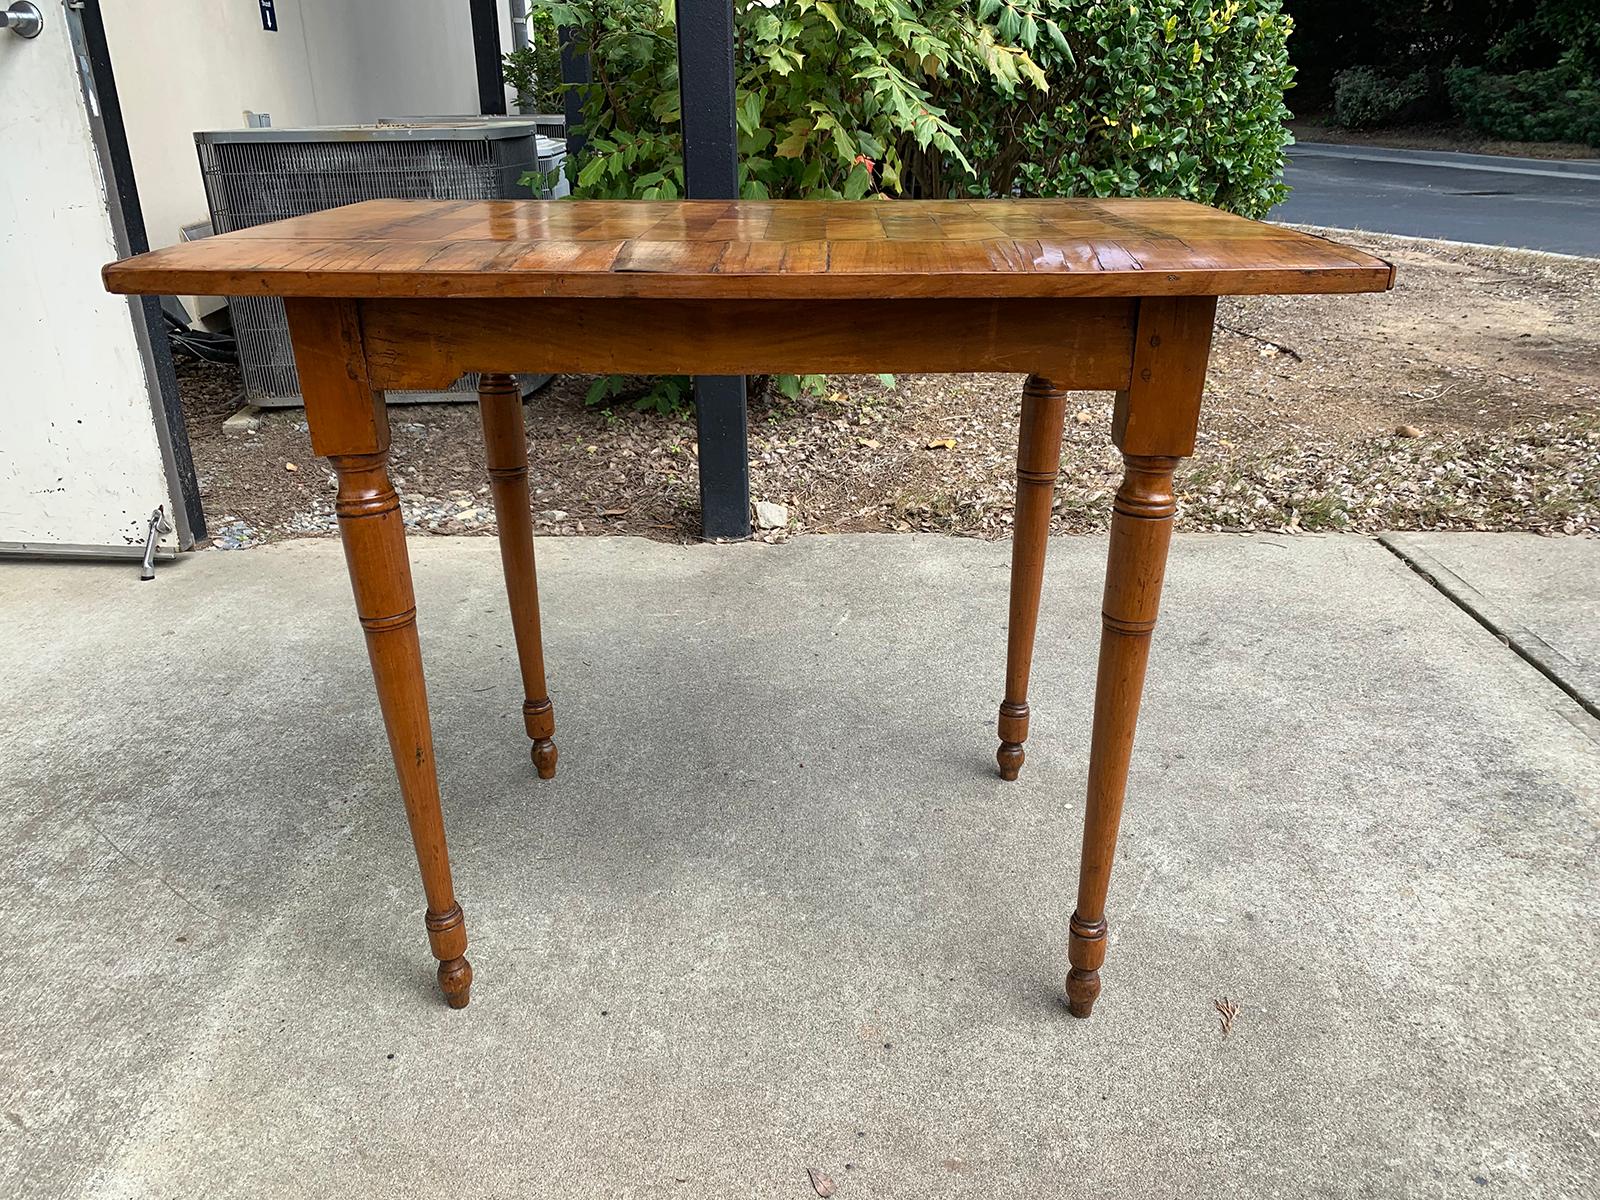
[[783, 249]]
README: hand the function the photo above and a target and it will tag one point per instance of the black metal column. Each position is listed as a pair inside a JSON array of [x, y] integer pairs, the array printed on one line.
[[711, 172], [574, 70], [486, 57]]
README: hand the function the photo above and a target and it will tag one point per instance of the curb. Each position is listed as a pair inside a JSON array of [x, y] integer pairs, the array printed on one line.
[[1337, 231], [1526, 644], [1584, 169]]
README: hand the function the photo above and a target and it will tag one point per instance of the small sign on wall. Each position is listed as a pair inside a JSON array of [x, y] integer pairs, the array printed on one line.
[[269, 15]]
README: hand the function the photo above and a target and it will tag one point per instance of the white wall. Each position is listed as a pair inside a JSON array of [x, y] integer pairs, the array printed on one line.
[[80, 462], [187, 65]]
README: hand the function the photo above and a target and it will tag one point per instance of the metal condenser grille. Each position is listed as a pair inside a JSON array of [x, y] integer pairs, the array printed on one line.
[[253, 176]]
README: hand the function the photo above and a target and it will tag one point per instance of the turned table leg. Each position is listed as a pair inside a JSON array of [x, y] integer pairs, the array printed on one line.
[[349, 426], [1038, 463], [1154, 426], [506, 450]]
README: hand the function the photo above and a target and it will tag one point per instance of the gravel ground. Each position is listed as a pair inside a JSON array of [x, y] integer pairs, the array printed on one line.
[[1468, 398]]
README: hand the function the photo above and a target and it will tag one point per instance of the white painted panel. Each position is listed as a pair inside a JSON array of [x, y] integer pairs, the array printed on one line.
[[187, 65], [389, 58], [79, 459]]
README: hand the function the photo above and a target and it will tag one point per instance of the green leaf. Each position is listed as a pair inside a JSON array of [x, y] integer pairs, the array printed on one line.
[[602, 388], [858, 182], [792, 146], [664, 107], [749, 112], [843, 145]]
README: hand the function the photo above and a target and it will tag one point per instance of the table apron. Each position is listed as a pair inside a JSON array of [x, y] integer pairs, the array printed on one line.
[[426, 344]]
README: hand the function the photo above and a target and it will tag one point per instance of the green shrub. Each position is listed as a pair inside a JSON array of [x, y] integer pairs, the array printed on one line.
[[534, 70], [953, 98], [1364, 99], [830, 97], [1561, 104], [1146, 97]]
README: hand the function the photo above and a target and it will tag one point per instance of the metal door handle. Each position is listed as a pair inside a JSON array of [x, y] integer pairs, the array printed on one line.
[[159, 525], [22, 18]]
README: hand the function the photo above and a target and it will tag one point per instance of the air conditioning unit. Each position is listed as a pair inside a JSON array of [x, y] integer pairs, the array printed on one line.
[[253, 176], [549, 125]]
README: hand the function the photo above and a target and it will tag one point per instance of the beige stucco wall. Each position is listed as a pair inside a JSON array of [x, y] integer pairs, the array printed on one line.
[[186, 65]]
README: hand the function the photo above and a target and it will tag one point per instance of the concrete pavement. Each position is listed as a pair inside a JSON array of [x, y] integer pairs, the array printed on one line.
[[1542, 595], [777, 911], [1534, 204]]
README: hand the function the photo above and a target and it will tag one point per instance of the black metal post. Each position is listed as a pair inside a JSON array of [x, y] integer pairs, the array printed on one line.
[[711, 172], [574, 70], [486, 56]]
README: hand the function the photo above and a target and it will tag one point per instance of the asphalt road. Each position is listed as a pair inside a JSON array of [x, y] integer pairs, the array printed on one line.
[[1535, 204]]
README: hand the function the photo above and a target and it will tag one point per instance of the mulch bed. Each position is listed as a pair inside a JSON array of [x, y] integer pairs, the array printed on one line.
[[1468, 398]]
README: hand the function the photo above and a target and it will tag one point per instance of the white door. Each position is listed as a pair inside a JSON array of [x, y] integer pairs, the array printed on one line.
[[81, 464]]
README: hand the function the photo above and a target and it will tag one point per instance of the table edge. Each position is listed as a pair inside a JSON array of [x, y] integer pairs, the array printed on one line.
[[130, 277]]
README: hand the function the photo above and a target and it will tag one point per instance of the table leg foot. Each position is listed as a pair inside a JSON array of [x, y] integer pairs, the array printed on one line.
[[539, 719], [1083, 989], [1086, 950], [455, 980], [1044, 407], [447, 935], [1013, 732], [544, 757]]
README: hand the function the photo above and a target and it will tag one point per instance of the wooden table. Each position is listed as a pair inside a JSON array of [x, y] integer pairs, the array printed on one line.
[[1115, 295]]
